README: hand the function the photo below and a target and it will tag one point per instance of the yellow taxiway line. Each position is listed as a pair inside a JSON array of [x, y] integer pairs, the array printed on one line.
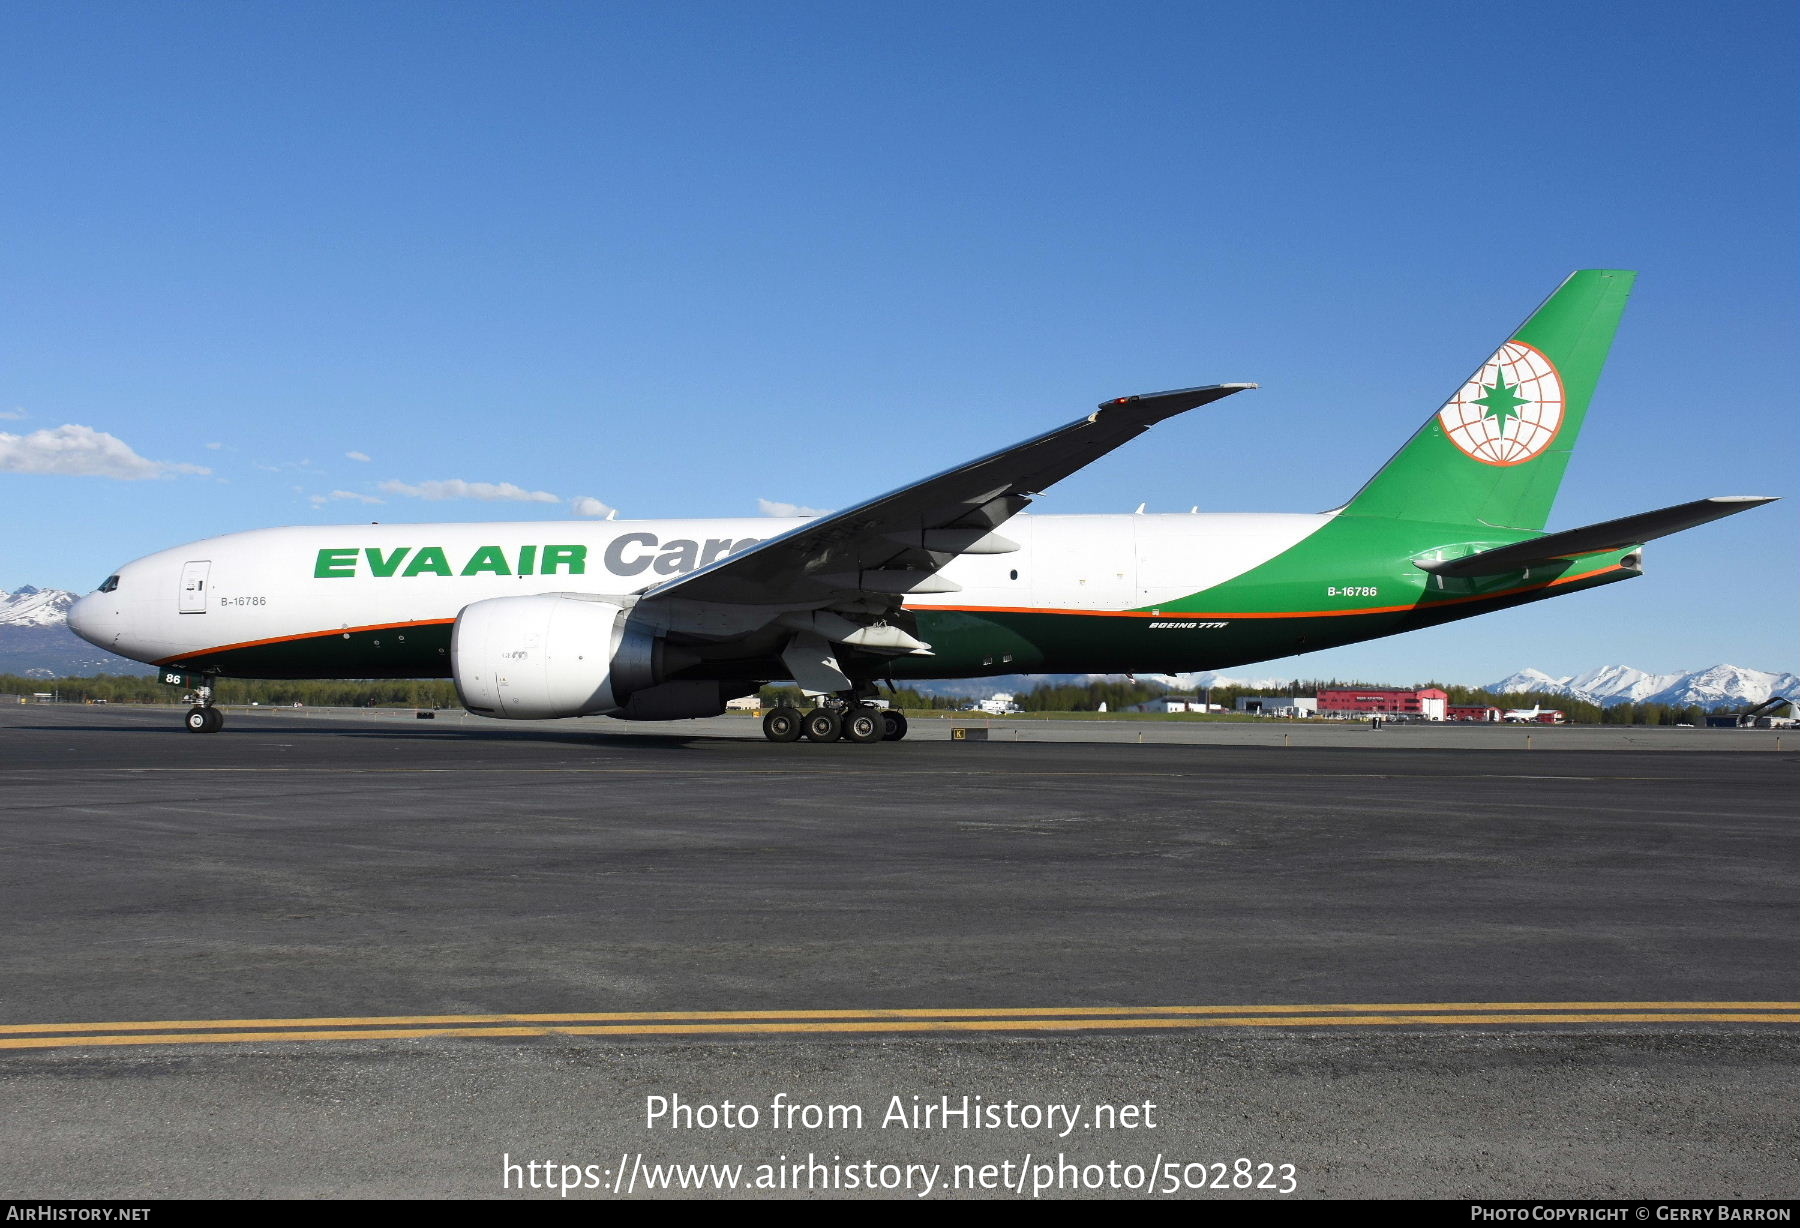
[[855, 1022]]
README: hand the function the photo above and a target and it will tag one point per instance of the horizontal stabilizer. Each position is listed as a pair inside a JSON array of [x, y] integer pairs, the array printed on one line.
[[1595, 538]]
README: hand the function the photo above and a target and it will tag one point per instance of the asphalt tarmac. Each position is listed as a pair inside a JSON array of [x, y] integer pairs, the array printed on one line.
[[1406, 970]]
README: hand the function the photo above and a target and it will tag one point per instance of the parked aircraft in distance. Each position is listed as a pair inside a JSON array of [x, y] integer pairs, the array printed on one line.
[[1533, 715], [945, 578]]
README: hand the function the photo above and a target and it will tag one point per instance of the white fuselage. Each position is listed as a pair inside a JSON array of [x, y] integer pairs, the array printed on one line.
[[267, 585]]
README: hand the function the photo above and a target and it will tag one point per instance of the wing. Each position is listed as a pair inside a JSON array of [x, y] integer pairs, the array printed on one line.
[[894, 544], [838, 582]]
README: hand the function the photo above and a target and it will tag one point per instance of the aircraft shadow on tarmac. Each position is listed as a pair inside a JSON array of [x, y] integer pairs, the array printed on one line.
[[651, 741], [647, 741]]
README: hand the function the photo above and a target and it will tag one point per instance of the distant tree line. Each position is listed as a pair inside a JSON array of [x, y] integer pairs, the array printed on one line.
[[1087, 697], [1117, 694], [779, 695]]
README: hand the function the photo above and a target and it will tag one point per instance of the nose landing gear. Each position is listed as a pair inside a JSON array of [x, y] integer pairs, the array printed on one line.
[[205, 720], [203, 717]]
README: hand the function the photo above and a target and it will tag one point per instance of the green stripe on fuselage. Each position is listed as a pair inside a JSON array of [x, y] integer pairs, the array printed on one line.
[[1360, 563], [973, 643]]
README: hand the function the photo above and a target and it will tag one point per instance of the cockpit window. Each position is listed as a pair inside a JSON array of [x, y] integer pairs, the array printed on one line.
[[110, 583]]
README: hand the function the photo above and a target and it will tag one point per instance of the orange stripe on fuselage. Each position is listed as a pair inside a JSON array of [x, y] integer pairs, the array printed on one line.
[[304, 635]]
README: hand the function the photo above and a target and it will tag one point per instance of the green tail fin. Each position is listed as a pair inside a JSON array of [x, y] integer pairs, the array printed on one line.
[[1495, 453]]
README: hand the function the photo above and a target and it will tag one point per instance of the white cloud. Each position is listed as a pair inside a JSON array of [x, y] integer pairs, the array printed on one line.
[[357, 456], [770, 507], [215, 447], [587, 505], [456, 488], [14, 414], [81, 451], [322, 500]]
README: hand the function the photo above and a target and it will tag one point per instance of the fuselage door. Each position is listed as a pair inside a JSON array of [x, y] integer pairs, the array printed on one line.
[[193, 586]]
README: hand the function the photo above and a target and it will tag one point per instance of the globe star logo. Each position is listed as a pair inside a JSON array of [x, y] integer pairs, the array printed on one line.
[[1510, 411]]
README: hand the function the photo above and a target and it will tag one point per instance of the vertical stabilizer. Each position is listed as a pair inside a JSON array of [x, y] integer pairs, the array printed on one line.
[[1495, 453]]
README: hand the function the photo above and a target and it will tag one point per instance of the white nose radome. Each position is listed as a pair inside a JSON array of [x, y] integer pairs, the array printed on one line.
[[95, 619]]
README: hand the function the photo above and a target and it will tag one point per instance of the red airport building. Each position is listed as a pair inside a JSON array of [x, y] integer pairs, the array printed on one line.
[[1425, 705], [1457, 712]]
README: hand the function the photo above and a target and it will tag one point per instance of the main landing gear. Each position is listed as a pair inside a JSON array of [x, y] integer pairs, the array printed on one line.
[[834, 721], [203, 717]]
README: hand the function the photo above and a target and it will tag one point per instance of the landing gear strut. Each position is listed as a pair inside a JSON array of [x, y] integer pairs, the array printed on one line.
[[203, 717]]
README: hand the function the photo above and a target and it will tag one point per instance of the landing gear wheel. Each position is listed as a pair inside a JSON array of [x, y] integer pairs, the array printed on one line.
[[893, 725], [821, 725], [782, 724], [863, 725], [205, 720]]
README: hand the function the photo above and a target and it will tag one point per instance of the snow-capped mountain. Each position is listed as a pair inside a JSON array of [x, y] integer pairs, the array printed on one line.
[[1728, 684], [1618, 684], [35, 640], [35, 607], [1609, 684], [1528, 680]]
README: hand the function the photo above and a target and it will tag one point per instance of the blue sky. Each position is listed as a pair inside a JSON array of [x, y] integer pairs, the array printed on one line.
[[681, 259]]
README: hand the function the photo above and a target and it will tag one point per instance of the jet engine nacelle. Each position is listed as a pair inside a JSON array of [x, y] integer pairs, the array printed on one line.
[[568, 654]]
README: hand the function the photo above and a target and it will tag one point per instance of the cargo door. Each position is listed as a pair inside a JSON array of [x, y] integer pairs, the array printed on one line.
[[193, 586]]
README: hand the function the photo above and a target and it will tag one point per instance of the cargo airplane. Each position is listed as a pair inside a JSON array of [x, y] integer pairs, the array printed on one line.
[[946, 578]]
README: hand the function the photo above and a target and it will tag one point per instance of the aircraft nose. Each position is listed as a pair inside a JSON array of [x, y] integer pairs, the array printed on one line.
[[93, 618]]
